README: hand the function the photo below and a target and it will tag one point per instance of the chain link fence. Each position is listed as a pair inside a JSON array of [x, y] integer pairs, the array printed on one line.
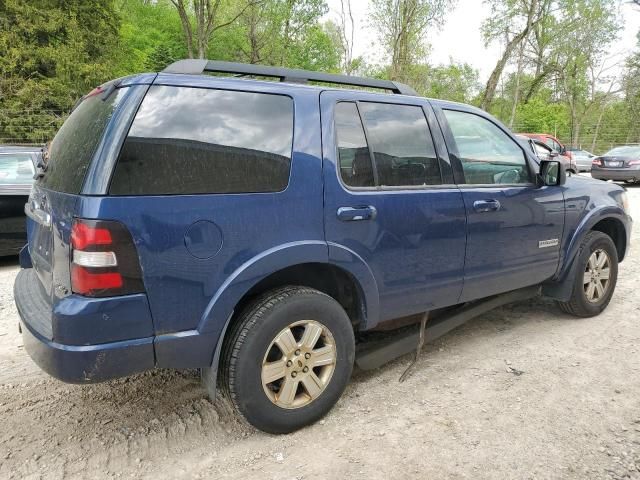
[[39, 126], [30, 127]]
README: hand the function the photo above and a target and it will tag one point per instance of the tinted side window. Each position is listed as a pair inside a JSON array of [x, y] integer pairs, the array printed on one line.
[[353, 153], [402, 144], [488, 155], [193, 140]]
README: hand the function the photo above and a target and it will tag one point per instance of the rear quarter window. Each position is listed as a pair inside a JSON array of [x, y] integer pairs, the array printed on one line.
[[195, 141], [72, 148]]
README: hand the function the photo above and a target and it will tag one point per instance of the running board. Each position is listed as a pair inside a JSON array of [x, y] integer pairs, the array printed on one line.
[[374, 354]]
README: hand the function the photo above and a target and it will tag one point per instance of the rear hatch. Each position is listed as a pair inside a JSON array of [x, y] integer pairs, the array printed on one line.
[[54, 197]]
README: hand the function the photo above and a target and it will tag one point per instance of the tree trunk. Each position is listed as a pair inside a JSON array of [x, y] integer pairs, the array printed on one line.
[[516, 93], [597, 130], [186, 25], [492, 83]]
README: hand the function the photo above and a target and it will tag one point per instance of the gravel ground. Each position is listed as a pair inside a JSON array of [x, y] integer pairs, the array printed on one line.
[[522, 392]]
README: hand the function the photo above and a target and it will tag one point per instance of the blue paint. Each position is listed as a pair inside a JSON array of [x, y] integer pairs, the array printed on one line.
[[408, 249]]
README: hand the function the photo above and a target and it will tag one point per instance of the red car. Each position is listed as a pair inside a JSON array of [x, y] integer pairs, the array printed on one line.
[[556, 146]]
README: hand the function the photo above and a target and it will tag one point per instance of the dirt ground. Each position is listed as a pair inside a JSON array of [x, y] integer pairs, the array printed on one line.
[[523, 392]]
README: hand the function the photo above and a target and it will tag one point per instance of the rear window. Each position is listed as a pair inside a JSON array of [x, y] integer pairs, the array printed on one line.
[[72, 148], [192, 141], [16, 169], [625, 151]]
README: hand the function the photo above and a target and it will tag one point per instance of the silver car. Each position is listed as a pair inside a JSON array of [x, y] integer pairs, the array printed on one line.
[[583, 159]]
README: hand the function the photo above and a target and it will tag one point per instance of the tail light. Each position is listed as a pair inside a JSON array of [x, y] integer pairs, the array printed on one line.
[[597, 162], [104, 259], [633, 162]]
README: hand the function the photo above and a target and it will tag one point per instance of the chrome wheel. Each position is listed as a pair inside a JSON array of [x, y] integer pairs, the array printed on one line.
[[298, 364], [596, 276]]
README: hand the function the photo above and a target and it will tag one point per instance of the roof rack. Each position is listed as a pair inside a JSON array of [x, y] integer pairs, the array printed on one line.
[[290, 75]]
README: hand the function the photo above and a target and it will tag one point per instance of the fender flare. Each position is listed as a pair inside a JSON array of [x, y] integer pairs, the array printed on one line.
[[251, 272], [562, 286], [585, 225]]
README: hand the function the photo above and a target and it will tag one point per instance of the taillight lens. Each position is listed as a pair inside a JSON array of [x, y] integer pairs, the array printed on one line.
[[633, 162], [104, 261], [597, 162]]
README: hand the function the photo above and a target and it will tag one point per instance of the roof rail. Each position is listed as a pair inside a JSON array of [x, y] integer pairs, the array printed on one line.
[[291, 75]]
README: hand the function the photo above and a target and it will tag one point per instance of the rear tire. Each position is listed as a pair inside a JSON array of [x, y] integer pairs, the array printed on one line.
[[596, 276], [288, 359]]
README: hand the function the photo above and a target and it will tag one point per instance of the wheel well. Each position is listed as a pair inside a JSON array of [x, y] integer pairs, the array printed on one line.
[[615, 229], [326, 278]]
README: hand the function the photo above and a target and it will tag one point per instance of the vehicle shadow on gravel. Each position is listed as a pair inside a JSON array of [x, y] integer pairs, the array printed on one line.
[[162, 406], [480, 330]]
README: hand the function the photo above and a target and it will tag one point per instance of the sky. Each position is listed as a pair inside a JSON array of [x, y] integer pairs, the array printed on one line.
[[460, 38]]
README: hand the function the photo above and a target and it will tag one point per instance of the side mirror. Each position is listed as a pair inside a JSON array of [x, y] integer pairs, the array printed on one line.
[[563, 150], [553, 154], [552, 174]]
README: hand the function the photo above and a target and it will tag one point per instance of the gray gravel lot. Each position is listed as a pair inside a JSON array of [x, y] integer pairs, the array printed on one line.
[[574, 412]]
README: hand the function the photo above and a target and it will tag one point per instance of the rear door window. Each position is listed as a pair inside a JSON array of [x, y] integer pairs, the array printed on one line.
[[402, 145], [195, 141], [72, 148], [356, 169], [399, 138]]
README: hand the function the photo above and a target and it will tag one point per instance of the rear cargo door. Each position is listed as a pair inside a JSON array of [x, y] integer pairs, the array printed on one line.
[[52, 203]]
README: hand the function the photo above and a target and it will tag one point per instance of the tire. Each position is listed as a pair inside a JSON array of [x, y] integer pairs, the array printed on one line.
[[579, 303], [271, 407]]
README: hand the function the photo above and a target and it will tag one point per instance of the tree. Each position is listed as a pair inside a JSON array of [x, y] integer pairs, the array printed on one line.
[[584, 65], [346, 30], [150, 36], [401, 27], [512, 20], [208, 15], [53, 52]]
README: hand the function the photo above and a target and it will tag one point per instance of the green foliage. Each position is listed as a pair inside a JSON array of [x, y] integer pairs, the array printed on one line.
[[150, 36], [53, 52], [539, 115]]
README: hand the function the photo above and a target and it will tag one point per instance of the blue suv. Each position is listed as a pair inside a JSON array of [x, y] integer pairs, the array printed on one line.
[[258, 230]]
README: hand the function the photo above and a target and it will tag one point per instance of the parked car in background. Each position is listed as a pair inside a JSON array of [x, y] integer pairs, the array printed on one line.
[[17, 168], [256, 230], [582, 158], [618, 164], [545, 152], [549, 140]]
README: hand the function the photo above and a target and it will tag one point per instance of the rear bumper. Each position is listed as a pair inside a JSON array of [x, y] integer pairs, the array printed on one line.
[[80, 362], [615, 174], [88, 363]]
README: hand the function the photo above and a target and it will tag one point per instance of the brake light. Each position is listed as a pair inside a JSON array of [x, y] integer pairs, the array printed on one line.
[[596, 161], [104, 261], [633, 162]]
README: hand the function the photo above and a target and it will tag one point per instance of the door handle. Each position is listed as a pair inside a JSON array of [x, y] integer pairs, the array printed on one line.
[[352, 214], [486, 206]]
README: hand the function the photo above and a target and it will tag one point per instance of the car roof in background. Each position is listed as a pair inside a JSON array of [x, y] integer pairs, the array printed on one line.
[[20, 149], [623, 150]]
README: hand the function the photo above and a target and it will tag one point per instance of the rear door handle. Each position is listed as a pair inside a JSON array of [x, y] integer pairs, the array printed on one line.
[[486, 206], [352, 214]]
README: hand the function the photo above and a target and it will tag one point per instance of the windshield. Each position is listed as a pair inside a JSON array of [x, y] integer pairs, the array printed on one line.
[[626, 151], [75, 143]]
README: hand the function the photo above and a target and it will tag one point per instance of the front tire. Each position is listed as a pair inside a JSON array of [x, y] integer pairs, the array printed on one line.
[[288, 359], [596, 276]]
